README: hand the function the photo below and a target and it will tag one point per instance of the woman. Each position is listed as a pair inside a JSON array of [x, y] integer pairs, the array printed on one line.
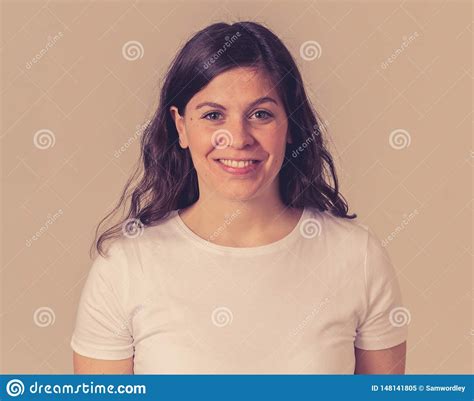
[[237, 254]]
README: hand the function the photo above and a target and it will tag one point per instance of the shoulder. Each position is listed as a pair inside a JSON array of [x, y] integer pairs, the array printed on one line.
[[355, 241], [339, 229], [111, 266], [135, 234], [132, 247]]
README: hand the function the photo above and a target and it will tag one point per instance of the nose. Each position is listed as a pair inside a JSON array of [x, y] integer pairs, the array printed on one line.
[[240, 134]]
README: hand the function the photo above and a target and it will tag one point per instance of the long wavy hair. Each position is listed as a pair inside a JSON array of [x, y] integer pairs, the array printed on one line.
[[165, 178]]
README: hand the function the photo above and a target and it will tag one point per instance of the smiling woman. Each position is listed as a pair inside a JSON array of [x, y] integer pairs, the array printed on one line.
[[237, 254]]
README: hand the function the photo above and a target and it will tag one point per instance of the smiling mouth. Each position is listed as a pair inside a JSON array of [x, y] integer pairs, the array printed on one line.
[[241, 168], [237, 163]]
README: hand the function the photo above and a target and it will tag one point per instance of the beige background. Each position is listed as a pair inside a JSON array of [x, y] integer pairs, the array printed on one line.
[[91, 98]]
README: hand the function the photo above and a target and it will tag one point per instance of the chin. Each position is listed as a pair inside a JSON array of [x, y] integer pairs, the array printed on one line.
[[239, 195]]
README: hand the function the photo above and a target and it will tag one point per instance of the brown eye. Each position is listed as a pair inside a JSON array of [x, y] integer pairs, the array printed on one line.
[[211, 115], [263, 113]]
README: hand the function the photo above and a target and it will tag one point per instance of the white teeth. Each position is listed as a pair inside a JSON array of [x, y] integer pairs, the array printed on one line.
[[235, 163]]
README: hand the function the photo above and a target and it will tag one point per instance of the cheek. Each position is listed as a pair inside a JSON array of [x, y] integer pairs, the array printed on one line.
[[273, 136], [200, 146], [275, 147], [200, 136]]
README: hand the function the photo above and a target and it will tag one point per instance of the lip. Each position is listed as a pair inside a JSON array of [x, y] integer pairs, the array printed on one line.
[[249, 170], [238, 158]]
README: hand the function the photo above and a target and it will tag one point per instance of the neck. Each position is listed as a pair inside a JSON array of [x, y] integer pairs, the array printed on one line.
[[240, 223]]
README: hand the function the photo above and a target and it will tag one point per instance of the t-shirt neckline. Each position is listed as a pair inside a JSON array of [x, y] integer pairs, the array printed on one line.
[[280, 244]]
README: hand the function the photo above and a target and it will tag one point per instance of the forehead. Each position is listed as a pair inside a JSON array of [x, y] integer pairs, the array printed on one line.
[[240, 85]]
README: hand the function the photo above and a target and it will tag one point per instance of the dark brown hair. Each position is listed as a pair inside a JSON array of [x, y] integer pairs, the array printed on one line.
[[165, 178]]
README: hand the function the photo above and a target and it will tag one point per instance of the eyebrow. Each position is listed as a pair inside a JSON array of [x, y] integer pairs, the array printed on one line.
[[265, 99]]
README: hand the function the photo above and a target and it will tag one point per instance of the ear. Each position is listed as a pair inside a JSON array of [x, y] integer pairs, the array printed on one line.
[[180, 126]]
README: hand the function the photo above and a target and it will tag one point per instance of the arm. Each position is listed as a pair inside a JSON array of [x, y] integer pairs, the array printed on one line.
[[102, 340], [384, 361], [90, 366], [384, 321]]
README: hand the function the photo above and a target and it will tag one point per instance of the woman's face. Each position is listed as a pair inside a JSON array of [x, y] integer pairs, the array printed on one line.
[[238, 117]]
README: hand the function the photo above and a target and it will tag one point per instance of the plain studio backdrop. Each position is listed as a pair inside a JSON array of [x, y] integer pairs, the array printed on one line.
[[392, 81]]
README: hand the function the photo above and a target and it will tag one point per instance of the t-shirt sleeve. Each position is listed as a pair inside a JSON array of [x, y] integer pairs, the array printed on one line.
[[102, 329], [383, 322]]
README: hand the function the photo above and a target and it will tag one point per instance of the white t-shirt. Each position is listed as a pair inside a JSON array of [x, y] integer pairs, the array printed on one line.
[[183, 305]]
